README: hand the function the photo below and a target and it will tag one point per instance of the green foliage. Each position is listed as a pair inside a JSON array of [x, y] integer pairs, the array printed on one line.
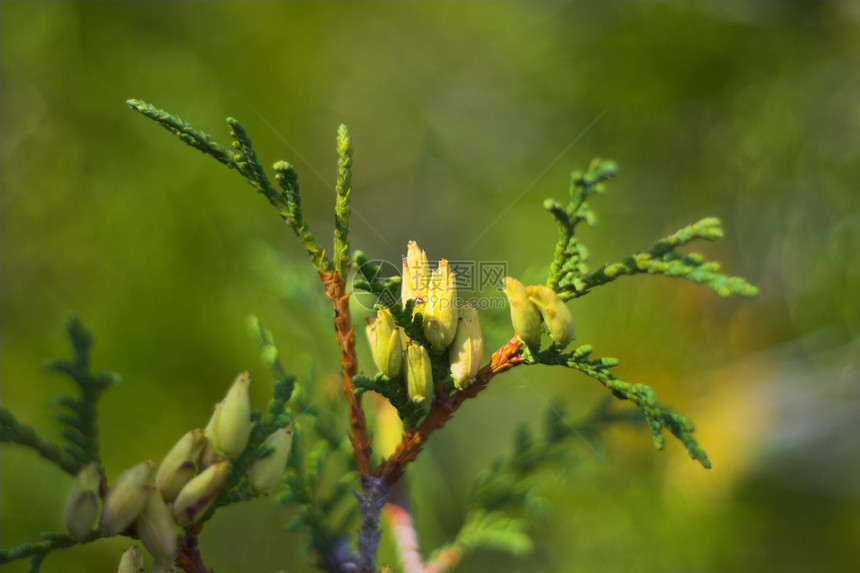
[[324, 445], [244, 160], [79, 413], [51, 541], [370, 279], [276, 417], [394, 390], [571, 256], [569, 275], [507, 493], [342, 208], [640, 394]]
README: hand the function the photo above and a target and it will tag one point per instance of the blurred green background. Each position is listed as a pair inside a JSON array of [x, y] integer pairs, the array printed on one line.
[[464, 117]]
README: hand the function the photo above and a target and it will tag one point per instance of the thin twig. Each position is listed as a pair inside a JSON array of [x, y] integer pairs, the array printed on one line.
[[188, 558], [335, 290]]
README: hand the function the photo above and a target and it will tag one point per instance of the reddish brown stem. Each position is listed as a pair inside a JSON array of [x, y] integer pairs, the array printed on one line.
[[443, 408], [335, 290], [188, 558]]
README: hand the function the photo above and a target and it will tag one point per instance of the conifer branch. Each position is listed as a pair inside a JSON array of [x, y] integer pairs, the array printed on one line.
[[81, 421], [571, 256], [342, 208], [185, 131], [16, 432], [51, 541], [245, 161], [394, 390], [663, 259], [79, 417], [658, 418]]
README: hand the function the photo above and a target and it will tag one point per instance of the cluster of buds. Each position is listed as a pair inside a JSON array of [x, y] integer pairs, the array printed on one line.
[[446, 328], [187, 482], [536, 304]]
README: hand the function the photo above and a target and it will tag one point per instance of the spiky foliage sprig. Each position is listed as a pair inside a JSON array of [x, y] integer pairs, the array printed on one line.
[[663, 259], [79, 413], [569, 275], [395, 392], [244, 160], [643, 396], [342, 208]]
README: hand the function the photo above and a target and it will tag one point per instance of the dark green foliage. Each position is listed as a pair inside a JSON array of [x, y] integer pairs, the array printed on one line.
[[80, 429], [370, 279], [39, 551], [78, 414], [394, 390]]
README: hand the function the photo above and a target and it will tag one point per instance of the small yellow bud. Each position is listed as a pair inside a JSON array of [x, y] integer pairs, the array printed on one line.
[[416, 275], [467, 350], [524, 315], [131, 561], [385, 343], [125, 500], [199, 493], [209, 455], [234, 423], [440, 312], [157, 529], [265, 473], [555, 313], [180, 464], [82, 508], [419, 374]]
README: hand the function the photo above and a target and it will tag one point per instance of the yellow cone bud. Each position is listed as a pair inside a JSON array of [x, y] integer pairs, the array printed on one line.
[[266, 472], [440, 312], [555, 313], [198, 494], [131, 561], [234, 423], [385, 343], [419, 375], [416, 275], [467, 350], [180, 464], [82, 508], [157, 528], [209, 455], [524, 315], [125, 499]]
